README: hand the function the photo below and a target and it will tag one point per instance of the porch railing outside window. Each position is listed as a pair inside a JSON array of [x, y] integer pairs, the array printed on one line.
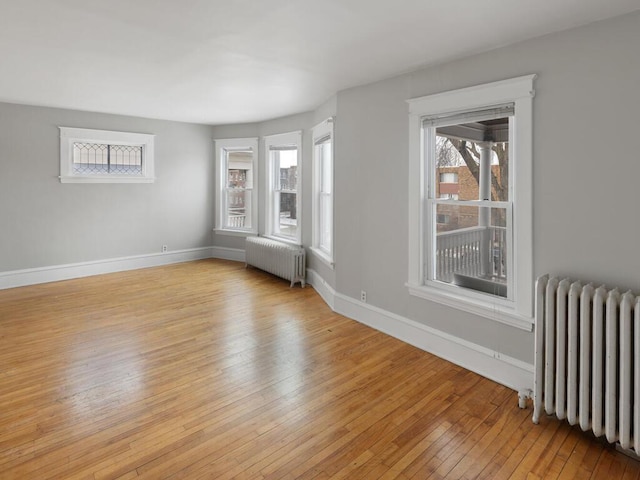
[[459, 251]]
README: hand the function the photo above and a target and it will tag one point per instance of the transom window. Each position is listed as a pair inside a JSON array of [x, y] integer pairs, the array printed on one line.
[[100, 158], [103, 156]]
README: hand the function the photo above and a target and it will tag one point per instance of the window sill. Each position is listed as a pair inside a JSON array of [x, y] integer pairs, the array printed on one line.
[[289, 241], [104, 179], [323, 257], [235, 233], [492, 309]]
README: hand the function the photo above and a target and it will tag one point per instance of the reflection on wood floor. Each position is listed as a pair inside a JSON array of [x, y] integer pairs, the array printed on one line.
[[207, 370]]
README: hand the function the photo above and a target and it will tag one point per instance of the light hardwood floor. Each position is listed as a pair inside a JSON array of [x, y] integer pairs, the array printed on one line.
[[208, 370]]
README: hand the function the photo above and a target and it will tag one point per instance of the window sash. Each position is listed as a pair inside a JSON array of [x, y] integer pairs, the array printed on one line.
[[232, 218], [428, 127], [283, 186], [431, 235], [277, 171], [323, 188], [113, 164], [281, 228], [325, 221], [325, 168]]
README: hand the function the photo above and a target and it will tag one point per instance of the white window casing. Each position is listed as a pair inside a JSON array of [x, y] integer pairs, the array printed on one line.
[[73, 141], [236, 204], [463, 104], [283, 181], [322, 199]]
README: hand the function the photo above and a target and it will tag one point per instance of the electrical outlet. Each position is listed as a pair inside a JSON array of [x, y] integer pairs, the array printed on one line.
[[363, 296], [164, 248]]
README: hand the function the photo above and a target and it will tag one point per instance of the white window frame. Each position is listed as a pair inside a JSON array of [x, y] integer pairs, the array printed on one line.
[[518, 310], [321, 133], [282, 140], [222, 148], [71, 135]]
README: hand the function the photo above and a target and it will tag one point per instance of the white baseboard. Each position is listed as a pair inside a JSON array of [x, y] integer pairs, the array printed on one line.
[[33, 276], [319, 284], [503, 369], [224, 253]]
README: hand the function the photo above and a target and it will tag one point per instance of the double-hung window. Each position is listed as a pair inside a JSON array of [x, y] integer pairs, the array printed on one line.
[[283, 187], [104, 156], [470, 199], [322, 202], [237, 200]]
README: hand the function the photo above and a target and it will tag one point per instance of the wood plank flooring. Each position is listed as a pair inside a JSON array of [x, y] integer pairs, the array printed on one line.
[[207, 370]]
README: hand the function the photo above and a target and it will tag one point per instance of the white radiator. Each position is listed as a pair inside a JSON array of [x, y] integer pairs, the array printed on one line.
[[281, 259], [587, 359]]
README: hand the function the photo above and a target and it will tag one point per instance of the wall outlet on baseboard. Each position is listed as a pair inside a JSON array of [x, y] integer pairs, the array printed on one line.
[[363, 296], [164, 248]]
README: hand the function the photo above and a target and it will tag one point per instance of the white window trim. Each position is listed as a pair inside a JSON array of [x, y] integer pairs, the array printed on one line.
[[70, 135], [282, 139], [222, 145], [519, 311], [322, 130]]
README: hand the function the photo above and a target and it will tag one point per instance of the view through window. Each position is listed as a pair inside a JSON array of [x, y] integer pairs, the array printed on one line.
[[284, 161], [239, 189], [470, 204]]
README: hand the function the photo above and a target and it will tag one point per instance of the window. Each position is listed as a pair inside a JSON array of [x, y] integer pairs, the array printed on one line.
[[473, 242], [442, 218], [236, 167], [322, 206], [448, 177], [470, 208], [102, 156], [283, 171]]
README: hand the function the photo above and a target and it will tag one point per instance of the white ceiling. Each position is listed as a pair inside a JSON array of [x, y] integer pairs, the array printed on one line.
[[230, 61]]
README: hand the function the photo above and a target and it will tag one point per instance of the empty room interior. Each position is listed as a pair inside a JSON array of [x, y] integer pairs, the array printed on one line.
[[339, 239]]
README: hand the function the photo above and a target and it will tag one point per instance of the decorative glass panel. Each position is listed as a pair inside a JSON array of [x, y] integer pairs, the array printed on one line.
[[105, 159]]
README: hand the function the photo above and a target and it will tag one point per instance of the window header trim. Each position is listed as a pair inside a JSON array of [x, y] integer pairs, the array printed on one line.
[[471, 98], [466, 116]]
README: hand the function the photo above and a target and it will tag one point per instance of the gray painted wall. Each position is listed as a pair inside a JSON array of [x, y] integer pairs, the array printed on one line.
[[45, 222], [586, 171], [304, 122]]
